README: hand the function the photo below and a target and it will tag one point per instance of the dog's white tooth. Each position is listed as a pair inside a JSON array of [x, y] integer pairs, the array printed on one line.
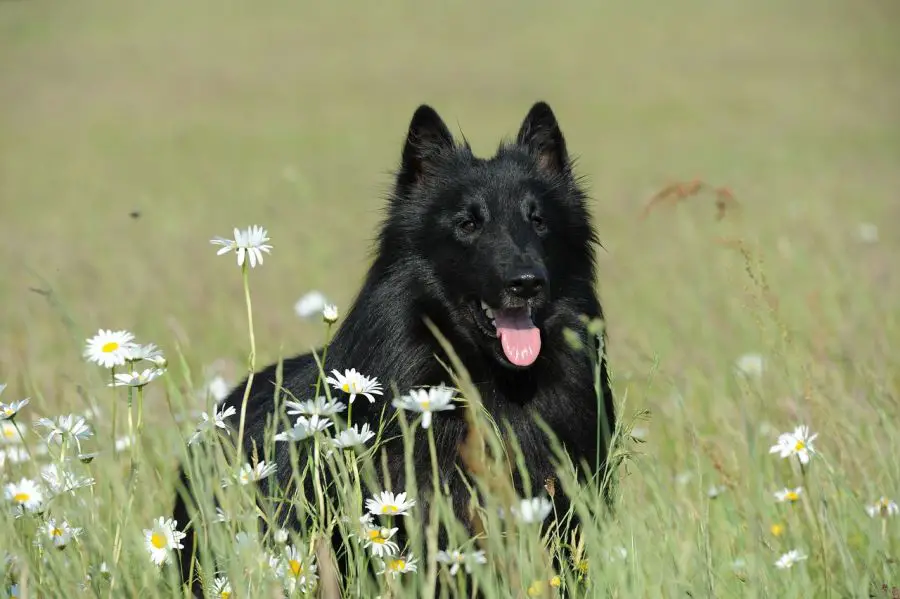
[[493, 323], [489, 313], [484, 306]]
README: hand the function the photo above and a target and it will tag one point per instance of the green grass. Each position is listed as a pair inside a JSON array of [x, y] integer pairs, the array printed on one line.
[[204, 116]]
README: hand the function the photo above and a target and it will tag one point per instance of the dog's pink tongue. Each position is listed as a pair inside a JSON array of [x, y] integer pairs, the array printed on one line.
[[521, 340]]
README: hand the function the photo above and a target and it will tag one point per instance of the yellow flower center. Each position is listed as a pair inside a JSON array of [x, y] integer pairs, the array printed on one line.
[[800, 446], [582, 566], [296, 567], [555, 582], [792, 496], [390, 509], [376, 537], [225, 594], [397, 564], [21, 497], [109, 347], [777, 530], [56, 532], [536, 588], [158, 540], [9, 432], [426, 404], [346, 387], [8, 411]]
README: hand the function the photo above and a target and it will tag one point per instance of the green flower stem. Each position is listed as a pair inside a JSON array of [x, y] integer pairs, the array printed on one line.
[[251, 363]]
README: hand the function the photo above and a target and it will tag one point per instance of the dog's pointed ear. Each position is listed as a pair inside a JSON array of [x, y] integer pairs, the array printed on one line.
[[541, 135], [427, 138]]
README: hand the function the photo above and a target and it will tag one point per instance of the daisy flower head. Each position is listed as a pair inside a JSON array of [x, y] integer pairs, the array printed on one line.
[[353, 436], [330, 313], [388, 504], [217, 388], [378, 541], [8, 411], [788, 495], [10, 433], [426, 402], [884, 507], [798, 443], [149, 352], [162, 539], [310, 305], [248, 244], [25, 495], [60, 533], [59, 480], [355, 383], [321, 406], [216, 421], [397, 565], [750, 365], [109, 348], [532, 510], [456, 559], [304, 428], [68, 426], [221, 588], [790, 558], [251, 474], [137, 379], [299, 571]]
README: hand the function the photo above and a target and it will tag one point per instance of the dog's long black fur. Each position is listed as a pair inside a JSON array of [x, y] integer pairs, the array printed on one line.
[[512, 231]]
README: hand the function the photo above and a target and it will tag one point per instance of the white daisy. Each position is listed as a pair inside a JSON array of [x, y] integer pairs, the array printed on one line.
[[149, 352], [251, 474], [162, 539], [532, 510], [353, 436], [884, 507], [456, 559], [217, 420], [249, 243], [714, 491], [123, 443], [221, 588], [217, 388], [10, 433], [137, 379], [8, 411], [304, 428], [299, 572], [355, 383], [312, 304], [25, 494], [330, 313], [378, 541], [14, 454], [69, 425], [396, 565], [797, 443], [60, 533], [109, 348], [59, 480], [320, 405], [280, 536], [788, 495], [386, 503], [790, 558], [426, 401]]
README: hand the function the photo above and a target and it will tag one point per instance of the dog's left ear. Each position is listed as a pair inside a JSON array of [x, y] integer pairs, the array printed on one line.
[[541, 135]]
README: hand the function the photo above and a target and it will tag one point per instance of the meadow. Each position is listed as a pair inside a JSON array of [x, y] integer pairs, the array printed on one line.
[[742, 164]]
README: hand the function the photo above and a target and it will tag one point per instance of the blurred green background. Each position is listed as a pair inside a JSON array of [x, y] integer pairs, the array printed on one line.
[[203, 116]]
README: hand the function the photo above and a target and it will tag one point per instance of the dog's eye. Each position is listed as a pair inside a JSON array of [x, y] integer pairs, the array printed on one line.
[[468, 226], [538, 223]]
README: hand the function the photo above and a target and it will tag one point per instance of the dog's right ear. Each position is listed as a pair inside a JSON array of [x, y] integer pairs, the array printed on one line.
[[428, 137]]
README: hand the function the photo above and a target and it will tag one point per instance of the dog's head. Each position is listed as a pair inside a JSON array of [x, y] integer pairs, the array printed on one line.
[[502, 247]]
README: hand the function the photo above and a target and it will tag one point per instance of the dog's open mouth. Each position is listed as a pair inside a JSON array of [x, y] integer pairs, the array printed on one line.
[[519, 337]]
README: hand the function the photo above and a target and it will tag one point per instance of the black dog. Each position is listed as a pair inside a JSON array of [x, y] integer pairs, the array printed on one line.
[[499, 255]]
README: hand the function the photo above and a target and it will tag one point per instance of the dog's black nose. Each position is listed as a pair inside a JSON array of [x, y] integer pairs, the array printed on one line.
[[525, 283]]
